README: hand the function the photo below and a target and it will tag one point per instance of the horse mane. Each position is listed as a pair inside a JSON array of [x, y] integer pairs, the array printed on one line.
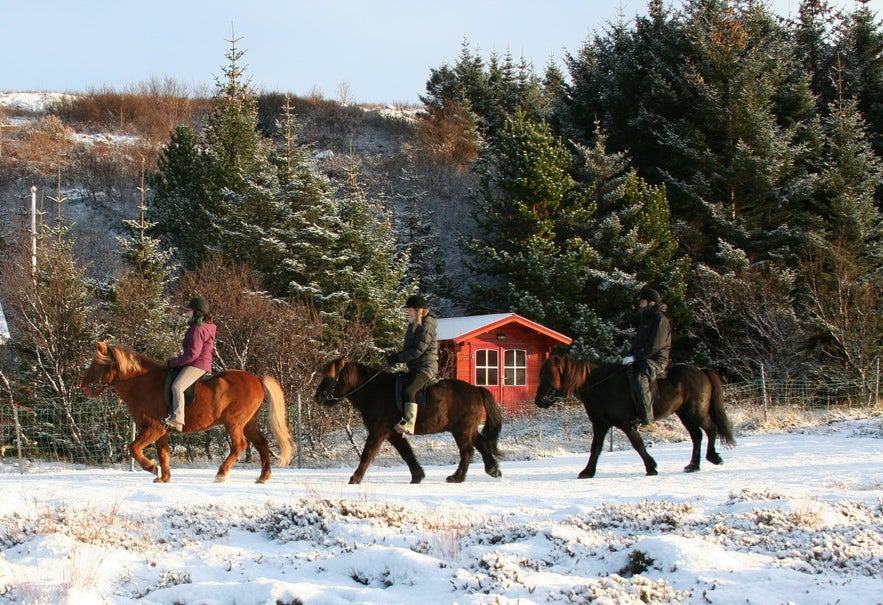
[[126, 360], [574, 372]]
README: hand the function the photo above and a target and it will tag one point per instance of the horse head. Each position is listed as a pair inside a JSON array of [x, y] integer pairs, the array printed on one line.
[[100, 374], [329, 390], [110, 365], [550, 388]]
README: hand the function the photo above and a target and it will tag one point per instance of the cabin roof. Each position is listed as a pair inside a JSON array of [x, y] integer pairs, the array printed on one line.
[[459, 329]]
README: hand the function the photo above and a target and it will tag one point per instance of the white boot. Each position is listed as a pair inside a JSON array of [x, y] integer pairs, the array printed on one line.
[[406, 424]]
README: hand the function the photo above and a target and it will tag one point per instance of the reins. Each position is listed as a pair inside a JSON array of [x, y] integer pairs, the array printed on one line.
[[344, 396]]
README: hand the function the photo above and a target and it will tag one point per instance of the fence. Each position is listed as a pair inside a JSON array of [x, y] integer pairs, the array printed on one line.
[[97, 432]]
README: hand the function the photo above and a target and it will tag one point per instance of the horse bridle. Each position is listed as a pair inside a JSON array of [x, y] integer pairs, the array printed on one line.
[[104, 385], [329, 393]]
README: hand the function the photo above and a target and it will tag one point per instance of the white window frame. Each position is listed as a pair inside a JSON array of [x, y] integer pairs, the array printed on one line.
[[486, 368], [515, 367]]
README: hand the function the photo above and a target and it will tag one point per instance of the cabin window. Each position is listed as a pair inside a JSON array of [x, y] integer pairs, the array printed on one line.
[[487, 367], [515, 367]]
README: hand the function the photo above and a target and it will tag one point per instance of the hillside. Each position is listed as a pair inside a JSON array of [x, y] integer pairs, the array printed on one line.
[[101, 168]]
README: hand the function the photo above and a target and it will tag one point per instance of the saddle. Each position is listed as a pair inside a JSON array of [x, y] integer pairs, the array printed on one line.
[[633, 386], [421, 394], [189, 392]]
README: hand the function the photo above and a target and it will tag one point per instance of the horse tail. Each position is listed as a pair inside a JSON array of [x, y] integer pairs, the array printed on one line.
[[493, 424], [717, 412], [276, 399]]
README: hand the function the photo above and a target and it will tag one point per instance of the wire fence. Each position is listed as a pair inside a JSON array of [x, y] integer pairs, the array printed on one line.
[[98, 431]]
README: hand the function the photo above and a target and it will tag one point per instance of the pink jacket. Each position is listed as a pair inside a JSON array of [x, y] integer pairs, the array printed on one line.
[[199, 346]]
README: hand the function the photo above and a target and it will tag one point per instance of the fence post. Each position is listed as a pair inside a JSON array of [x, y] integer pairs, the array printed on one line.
[[877, 384], [763, 389], [299, 425]]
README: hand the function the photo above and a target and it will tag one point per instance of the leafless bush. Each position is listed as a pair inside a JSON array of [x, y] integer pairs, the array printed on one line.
[[747, 318]]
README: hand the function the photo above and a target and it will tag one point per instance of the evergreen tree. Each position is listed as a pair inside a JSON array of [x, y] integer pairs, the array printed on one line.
[[734, 168], [54, 326], [859, 68], [844, 284], [178, 212], [528, 258], [140, 314]]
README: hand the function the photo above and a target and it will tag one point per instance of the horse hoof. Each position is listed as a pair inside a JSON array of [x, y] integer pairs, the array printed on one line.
[[415, 480], [691, 468], [220, 478], [455, 479], [716, 460], [495, 473], [585, 475], [161, 480], [262, 480], [652, 472]]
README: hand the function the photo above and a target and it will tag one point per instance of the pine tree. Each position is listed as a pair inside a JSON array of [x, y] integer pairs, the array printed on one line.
[[178, 212], [859, 68], [526, 201], [844, 285], [140, 314]]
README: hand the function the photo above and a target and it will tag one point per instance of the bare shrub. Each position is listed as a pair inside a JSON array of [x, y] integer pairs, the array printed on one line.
[[284, 338], [447, 136]]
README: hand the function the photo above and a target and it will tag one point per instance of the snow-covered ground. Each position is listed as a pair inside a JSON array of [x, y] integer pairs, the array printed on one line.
[[31, 101], [789, 518]]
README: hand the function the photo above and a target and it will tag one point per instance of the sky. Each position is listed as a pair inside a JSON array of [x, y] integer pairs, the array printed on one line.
[[378, 51], [791, 518]]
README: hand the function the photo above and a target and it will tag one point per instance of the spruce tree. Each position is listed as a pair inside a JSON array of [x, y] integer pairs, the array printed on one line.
[[140, 316], [527, 257], [178, 212], [859, 68]]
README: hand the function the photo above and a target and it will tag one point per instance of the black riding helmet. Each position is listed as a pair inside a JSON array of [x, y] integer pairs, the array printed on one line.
[[199, 305], [416, 302]]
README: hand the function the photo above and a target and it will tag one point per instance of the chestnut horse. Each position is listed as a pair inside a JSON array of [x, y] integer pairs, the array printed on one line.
[[451, 405], [231, 398], [693, 394]]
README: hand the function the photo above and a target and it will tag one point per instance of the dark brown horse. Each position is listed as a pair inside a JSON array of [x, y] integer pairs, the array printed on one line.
[[694, 395], [451, 405], [230, 399]]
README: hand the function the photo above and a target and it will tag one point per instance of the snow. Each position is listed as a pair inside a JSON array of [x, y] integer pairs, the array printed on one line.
[[35, 102], [789, 518]]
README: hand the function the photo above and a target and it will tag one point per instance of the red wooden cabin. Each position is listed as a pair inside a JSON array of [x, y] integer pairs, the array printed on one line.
[[503, 352]]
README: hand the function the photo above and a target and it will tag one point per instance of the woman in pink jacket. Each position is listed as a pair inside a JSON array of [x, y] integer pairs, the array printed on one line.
[[194, 362]]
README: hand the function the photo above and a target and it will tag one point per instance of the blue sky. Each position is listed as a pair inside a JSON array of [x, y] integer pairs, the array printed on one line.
[[376, 51]]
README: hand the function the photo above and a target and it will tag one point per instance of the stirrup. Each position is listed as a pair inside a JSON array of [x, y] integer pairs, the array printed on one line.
[[172, 425]]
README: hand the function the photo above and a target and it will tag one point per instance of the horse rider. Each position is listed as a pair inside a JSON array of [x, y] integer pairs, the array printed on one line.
[[195, 361], [420, 354], [649, 353]]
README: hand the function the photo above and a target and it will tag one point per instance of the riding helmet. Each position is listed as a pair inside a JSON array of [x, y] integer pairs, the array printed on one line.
[[650, 295], [416, 302], [199, 305]]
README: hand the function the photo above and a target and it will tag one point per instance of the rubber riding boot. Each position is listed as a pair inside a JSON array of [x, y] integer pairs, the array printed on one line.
[[406, 424]]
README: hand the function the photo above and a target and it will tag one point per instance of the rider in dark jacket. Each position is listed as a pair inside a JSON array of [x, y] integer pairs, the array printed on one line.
[[649, 353], [420, 354]]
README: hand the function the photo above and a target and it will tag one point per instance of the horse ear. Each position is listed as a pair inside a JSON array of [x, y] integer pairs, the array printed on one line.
[[102, 347]]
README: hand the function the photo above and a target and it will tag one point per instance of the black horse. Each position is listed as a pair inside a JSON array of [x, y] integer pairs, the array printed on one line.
[[451, 405], [693, 394]]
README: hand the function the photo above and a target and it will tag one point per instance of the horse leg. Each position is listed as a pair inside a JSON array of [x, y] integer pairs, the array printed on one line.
[[405, 450], [372, 446], [696, 438], [238, 444], [491, 466], [467, 451], [598, 435], [638, 444], [145, 437], [711, 453], [254, 435]]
